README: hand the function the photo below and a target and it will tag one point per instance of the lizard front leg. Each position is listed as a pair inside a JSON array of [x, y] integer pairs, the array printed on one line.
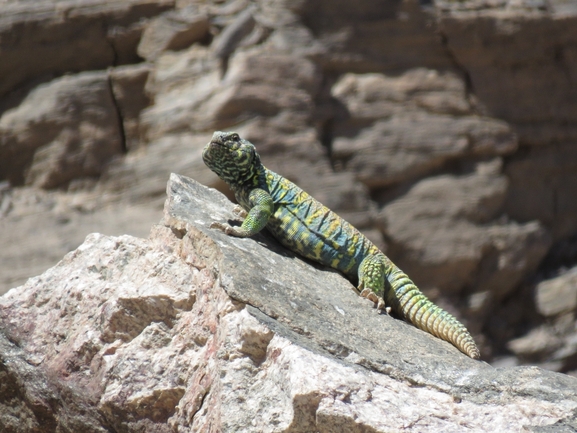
[[372, 280], [262, 207]]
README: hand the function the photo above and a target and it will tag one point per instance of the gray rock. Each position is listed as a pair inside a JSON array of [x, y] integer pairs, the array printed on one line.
[[128, 84], [537, 345], [191, 329], [356, 102], [481, 42], [232, 35], [139, 177], [256, 84], [173, 30], [40, 227], [386, 35], [553, 344]]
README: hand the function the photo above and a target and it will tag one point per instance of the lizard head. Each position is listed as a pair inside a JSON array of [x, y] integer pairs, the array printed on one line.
[[232, 158]]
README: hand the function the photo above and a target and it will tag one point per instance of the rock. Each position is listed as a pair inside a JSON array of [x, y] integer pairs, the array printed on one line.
[[255, 85], [40, 227], [558, 295], [128, 84], [139, 177], [48, 38], [535, 346], [173, 30], [232, 35], [63, 130], [386, 35], [370, 97], [402, 128], [505, 54], [357, 103], [443, 234], [194, 330], [73, 126], [543, 186], [175, 71], [553, 344]]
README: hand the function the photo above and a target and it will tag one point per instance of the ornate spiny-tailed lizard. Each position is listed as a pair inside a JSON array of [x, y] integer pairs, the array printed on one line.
[[310, 229]]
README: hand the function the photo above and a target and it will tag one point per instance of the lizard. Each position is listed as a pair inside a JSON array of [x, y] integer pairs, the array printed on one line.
[[310, 229]]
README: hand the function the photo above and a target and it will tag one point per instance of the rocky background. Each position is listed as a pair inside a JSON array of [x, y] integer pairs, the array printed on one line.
[[445, 130]]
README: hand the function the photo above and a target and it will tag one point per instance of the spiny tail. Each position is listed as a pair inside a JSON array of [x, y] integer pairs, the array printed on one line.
[[407, 300]]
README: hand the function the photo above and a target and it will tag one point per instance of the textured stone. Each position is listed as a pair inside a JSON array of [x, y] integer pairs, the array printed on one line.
[[191, 330], [558, 295], [506, 53], [173, 30], [386, 35], [440, 234], [127, 84], [140, 176], [539, 343], [43, 38], [65, 129], [40, 227], [401, 128], [554, 343], [543, 185], [255, 85], [355, 102], [233, 34]]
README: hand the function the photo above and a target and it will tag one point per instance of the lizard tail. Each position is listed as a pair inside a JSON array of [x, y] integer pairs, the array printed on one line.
[[406, 299]]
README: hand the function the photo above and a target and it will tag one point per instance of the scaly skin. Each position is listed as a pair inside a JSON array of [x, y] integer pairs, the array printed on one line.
[[310, 229]]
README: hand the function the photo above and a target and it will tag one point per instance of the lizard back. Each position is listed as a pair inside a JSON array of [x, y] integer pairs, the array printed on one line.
[[303, 224]]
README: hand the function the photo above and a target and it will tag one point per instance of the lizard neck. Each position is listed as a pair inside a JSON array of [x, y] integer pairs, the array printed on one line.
[[253, 177]]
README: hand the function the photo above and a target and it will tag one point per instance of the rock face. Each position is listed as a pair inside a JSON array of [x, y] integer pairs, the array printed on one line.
[[444, 130], [48, 37], [191, 330], [61, 131]]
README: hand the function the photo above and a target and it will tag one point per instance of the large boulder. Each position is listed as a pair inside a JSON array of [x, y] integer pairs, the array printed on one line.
[[193, 330]]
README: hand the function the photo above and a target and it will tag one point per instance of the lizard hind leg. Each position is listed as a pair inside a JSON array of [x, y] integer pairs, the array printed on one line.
[[372, 280]]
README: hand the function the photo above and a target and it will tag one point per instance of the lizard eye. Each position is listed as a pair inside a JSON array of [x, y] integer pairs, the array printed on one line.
[[234, 137]]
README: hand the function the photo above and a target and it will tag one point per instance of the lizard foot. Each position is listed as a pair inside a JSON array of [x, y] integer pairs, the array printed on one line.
[[380, 302], [239, 211], [227, 229]]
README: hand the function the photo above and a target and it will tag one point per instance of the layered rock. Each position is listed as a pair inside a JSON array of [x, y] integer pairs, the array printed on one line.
[[443, 130], [191, 330], [46, 38], [63, 130], [401, 128], [445, 233], [552, 344]]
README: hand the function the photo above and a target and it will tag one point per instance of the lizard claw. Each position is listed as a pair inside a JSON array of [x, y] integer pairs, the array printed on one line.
[[380, 302], [239, 211], [370, 295], [222, 227]]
